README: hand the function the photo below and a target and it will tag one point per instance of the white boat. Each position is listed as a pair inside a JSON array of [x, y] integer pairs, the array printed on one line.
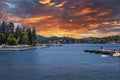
[[117, 54]]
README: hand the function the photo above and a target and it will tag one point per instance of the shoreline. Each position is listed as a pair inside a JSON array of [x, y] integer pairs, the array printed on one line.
[[23, 47], [19, 47], [16, 49]]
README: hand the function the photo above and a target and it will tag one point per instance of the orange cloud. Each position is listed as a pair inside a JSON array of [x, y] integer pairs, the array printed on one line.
[[114, 23], [90, 18], [61, 4], [34, 20], [14, 18], [45, 1], [93, 26], [84, 11], [51, 4]]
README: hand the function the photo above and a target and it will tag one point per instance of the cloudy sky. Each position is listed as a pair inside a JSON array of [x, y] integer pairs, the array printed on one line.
[[72, 18]]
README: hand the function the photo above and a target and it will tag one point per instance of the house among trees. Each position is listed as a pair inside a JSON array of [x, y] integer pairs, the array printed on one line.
[[11, 35]]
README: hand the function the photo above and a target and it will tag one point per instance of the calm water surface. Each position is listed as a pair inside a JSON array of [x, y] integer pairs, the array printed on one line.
[[67, 62]]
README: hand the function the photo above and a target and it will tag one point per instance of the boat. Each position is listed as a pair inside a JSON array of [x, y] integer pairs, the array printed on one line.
[[117, 54]]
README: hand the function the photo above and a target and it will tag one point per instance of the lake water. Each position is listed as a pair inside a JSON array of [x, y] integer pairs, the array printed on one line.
[[67, 62]]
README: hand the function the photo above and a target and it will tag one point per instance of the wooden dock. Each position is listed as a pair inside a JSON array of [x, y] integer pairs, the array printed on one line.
[[102, 51]]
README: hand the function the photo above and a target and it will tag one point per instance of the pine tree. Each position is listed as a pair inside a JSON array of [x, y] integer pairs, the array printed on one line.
[[10, 27], [33, 36], [29, 36], [2, 38], [3, 27]]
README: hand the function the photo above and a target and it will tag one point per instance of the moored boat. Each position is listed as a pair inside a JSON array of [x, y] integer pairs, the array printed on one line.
[[117, 54]]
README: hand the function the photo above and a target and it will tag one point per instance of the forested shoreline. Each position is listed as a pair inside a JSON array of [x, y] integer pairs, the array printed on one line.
[[68, 40], [16, 35]]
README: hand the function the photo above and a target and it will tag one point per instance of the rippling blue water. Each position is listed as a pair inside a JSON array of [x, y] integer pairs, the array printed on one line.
[[67, 62]]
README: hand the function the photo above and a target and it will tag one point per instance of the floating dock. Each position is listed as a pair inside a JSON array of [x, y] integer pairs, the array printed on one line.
[[102, 51]]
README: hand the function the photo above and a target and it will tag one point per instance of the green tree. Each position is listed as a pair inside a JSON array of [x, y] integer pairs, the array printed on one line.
[[3, 27], [29, 36], [33, 36], [2, 38], [17, 32], [24, 38], [10, 27], [11, 40]]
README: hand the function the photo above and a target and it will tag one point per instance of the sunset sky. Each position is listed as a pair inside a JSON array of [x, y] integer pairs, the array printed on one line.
[[71, 18]]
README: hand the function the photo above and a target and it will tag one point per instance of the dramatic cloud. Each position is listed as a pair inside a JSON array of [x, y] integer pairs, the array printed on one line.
[[72, 18], [61, 4], [45, 1]]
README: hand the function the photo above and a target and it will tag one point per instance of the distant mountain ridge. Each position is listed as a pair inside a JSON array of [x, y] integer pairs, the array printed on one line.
[[55, 39], [39, 37]]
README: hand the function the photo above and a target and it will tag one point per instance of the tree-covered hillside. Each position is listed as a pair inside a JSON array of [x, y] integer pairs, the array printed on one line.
[[109, 39], [67, 40]]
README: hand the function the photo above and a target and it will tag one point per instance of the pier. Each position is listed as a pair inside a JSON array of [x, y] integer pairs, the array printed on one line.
[[102, 51]]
